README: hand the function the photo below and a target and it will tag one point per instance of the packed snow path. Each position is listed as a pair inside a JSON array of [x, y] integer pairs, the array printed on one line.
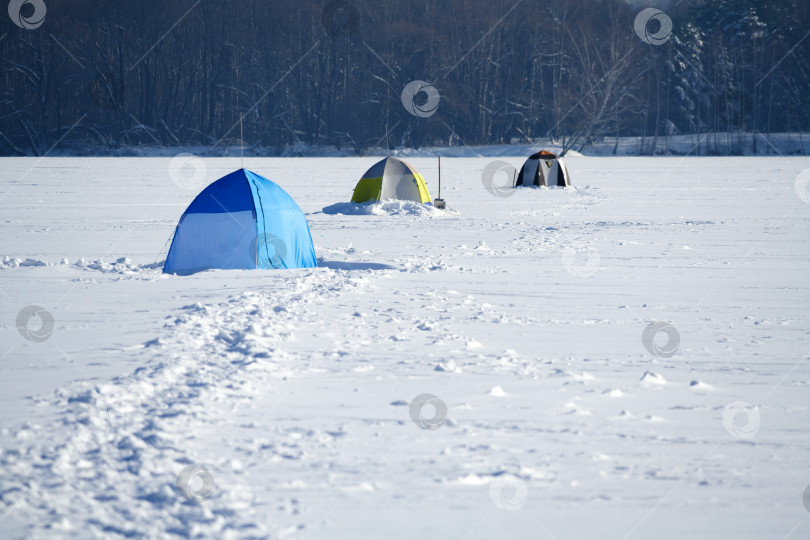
[[523, 315]]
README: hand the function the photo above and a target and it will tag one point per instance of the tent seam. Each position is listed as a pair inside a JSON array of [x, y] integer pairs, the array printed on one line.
[[264, 233]]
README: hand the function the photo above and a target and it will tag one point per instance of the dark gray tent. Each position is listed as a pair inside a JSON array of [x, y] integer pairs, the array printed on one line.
[[543, 169]]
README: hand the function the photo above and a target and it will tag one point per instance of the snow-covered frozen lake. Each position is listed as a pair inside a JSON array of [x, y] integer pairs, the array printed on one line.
[[523, 313]]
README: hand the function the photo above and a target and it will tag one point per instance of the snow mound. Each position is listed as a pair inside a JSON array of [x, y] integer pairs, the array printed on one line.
[[447, 367], [14, 262], [120, 266], [388, 207]]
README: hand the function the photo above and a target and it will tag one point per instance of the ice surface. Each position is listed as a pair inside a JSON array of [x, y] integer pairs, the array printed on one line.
[[479, 373]]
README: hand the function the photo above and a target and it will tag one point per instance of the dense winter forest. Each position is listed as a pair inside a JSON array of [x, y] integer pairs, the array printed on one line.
[[312, 73]]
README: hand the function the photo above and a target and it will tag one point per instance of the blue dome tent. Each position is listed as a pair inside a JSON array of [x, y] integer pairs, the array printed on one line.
[[241, 221]]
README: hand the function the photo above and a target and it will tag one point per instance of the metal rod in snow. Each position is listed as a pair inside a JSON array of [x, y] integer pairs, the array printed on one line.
[[440, 177]]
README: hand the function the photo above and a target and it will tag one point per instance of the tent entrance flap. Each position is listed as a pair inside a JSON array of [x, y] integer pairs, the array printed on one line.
[[367, 189], [218, 240]]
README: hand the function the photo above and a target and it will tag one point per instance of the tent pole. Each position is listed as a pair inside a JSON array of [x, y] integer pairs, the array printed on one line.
[[242, 141], [440, 177], [439, 203]]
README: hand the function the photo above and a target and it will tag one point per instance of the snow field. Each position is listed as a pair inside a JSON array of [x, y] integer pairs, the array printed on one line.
[[524, 315]]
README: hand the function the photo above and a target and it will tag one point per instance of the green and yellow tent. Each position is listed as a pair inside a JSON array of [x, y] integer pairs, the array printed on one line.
[[391, 179]]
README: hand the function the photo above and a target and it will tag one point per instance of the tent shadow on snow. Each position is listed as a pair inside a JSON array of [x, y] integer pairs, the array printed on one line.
[[349, 265]]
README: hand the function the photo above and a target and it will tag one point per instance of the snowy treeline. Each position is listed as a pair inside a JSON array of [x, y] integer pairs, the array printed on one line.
[[316, 73]]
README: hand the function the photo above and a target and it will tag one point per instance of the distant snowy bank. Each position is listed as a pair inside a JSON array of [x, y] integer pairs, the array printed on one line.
[[708, 144]]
